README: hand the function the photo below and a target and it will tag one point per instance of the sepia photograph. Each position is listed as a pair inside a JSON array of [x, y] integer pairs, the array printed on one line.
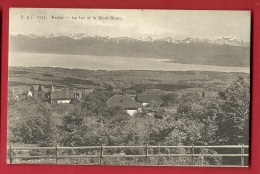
[[129, 87]]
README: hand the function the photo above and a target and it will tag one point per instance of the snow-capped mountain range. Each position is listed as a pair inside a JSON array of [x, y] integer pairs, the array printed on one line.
[[225, 51], [227, 40]]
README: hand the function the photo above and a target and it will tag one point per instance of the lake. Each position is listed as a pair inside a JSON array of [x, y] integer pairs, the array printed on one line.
[[109, 63]]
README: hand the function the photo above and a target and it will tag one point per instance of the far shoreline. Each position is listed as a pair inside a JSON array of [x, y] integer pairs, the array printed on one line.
[[111, 63], [186, 71]]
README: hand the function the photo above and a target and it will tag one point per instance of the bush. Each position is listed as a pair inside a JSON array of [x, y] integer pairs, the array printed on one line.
[[35, 126]]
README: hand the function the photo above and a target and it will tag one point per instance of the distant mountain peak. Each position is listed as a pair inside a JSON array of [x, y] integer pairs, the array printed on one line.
[[230, 40], [78, 36], [167, 39], [52, 36], [228, 37], [193, 40], [33, 36], [149, 39]]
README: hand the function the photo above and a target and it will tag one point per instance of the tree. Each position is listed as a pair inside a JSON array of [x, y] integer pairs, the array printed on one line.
[[31, 88], [190, 106], [166, 132], [110, 88], [170, 99], [95, 102], [108, 127], [232, 113], [39, 88], [35, 126], [203, 94]]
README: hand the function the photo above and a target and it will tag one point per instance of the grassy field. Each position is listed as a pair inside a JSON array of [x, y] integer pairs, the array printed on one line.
[[163, 81]]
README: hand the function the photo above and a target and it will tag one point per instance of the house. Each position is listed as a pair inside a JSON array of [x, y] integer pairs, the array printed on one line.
[[63, 96], [146, 99], [58, 96], [17, 94], [87, 91], [117, 91], [32, 90], [124, 101], [22, 90], [36, 91], [34, 87], [131, 93]]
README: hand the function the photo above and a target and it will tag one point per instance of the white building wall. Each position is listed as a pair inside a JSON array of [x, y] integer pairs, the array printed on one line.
[[145, 104], [63, 101], [131, 112], [30, 94]]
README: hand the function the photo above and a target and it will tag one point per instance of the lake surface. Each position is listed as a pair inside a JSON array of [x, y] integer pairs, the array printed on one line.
[[109, 63]]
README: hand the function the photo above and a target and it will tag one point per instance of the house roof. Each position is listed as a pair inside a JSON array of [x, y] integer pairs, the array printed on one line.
[[87, 91], [45, 89], [123, 101], [34, 87], [116, 90], [146, 98], [63, 95]]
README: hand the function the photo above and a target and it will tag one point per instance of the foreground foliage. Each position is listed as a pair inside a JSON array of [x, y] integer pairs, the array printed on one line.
[[198, 121]]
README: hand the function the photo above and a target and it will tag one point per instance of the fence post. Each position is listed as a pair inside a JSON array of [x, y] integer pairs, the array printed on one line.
[[159, 150], [192, 157], [146, 153], [101, 155], [10, 154], [242, 155], [159, 154], [57, 154]]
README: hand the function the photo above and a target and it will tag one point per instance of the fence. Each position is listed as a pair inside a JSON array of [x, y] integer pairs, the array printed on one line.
[[146, 155]]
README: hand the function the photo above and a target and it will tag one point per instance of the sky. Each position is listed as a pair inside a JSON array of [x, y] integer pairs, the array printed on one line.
[[178, 24]]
